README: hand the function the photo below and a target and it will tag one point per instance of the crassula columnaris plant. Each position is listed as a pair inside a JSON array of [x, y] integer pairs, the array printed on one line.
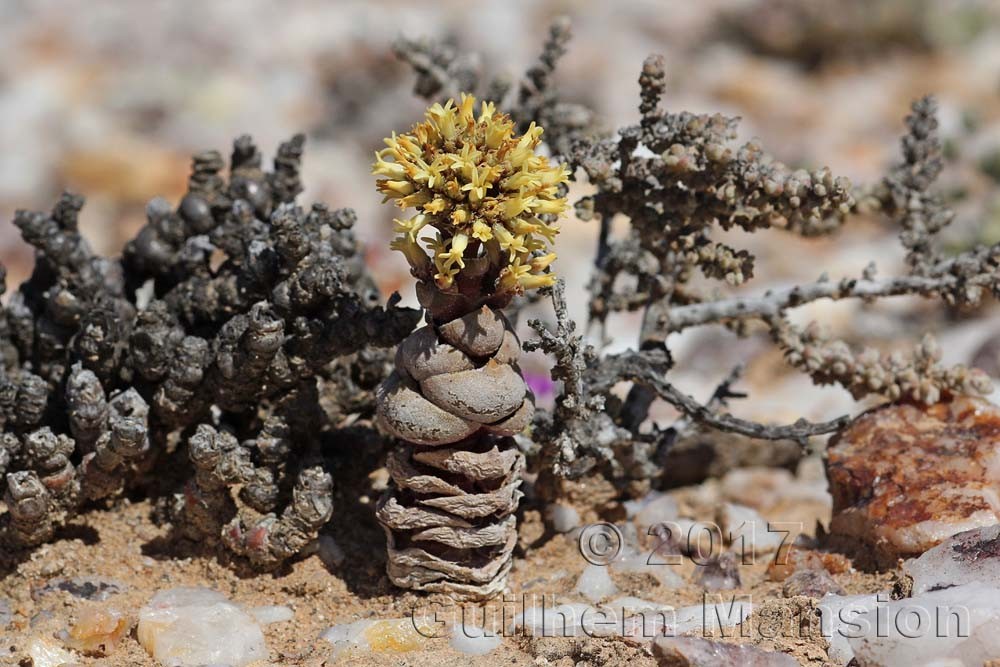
[[485, 205]]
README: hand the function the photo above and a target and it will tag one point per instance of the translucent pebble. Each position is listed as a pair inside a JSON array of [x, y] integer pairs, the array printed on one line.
[[187, 627], [701, 619], [658, 509], [562, 517], [272, 614], [346, 632], [962, 622], [473, 640], [837, 614], [694, 538], [595, 583], [632, 507], [708, 618], [814, 583], [45, 652], [565, 620], [392, 635], [699, 652], [970, 556], [719, 574], [644, 563], [97, 630], [629, 603], [748, 531]]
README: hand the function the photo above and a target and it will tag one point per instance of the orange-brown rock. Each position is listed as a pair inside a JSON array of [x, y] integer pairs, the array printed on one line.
[[904, 477], [792, 558]]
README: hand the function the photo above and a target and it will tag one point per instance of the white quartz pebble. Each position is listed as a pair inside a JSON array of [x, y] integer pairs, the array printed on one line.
[[659, 508], [629, 603], [347, 633], [45, 652], [562, 517], [962, 622], [189, 627], [652, 564], [396, 635], [970, 556], [473, 640], [564, 620], [595, 583], [748, 531], [704, 619], [694, 620], [272, 614], [700, 652], [837, 614]]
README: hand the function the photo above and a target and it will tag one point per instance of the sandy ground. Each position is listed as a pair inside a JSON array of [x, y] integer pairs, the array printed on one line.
[[125, 545]]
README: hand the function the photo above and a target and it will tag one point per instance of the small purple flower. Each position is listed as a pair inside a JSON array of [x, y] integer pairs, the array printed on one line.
[[540, 384]]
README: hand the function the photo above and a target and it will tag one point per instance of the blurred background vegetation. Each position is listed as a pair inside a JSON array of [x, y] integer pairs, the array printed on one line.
[[109, 99]]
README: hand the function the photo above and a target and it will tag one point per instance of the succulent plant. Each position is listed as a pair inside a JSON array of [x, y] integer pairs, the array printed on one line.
[[165, 361], [678, 179], [456, 395], [211, 365]]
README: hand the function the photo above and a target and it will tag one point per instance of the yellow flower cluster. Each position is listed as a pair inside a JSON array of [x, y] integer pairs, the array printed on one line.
[[483, 191]]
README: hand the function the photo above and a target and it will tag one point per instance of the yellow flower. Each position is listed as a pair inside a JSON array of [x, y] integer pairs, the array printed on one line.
[[435, 205], [455, 253], [483, 190], [396, 189], [511, 242], [459, 216], [481, 231], [413, 200], [539, 264], [476, 187], [391, 169], [551, 206], [414, 254], [515, 205], [411, 226], [518, 277], [535, 281]]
